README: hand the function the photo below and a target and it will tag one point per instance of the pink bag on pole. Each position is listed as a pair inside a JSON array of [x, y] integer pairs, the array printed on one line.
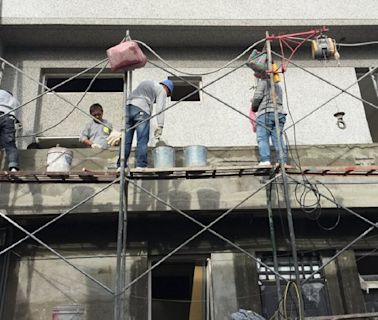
[[126, 56], [252, 119]]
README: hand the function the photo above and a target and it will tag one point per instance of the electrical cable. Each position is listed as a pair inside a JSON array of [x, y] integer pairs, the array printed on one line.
[[195, 91], [209, 94], [337, 209], [46, 87], [357, 44], [332, 84], [292, 283], [297, 288], [200, 74], [72, 110]]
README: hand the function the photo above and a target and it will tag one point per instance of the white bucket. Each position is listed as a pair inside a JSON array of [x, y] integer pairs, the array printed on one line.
[[59, 159], [68, 312]]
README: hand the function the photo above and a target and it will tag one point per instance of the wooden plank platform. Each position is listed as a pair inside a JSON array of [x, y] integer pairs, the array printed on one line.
[[331, 170], [89, 176]]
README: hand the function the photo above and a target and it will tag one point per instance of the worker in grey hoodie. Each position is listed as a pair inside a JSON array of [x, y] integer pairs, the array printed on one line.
[[139, 108], [7, 128], [262, 103]]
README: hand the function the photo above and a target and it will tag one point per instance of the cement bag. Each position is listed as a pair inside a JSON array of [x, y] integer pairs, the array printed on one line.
[[126, 56], [258, 62]]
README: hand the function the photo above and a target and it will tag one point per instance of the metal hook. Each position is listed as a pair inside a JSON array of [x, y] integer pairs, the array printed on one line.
[[340, 121], [341, 124]]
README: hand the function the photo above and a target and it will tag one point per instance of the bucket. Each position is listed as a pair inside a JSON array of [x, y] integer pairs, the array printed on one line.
[[59, 159], [164, 157], [195, 156], [68, 312]]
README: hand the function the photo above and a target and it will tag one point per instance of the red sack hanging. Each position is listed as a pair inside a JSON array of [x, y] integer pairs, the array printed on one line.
[[126, 56]]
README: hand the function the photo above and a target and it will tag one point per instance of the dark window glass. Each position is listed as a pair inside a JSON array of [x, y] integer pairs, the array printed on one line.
[[184, 86], [81, 84]]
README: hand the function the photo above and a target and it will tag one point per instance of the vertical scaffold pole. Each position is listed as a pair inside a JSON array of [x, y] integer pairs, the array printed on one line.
[[274, 244], [284, 178], [119, 300]]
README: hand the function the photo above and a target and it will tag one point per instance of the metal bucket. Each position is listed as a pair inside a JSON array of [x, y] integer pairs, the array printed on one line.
[[164, 157], [68, 312], [195, 156], [59, 159]]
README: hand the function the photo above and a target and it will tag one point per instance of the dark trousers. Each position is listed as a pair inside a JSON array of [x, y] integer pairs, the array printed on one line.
[[8, 139]]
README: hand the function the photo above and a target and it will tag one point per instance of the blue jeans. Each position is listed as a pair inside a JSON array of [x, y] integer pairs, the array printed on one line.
[[8, 140], [266, 129], [135, 116]]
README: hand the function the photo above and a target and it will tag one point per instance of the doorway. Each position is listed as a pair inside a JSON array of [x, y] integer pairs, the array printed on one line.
[[178, 291]]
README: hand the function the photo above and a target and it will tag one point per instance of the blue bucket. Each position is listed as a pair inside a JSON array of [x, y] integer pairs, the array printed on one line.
[[164, 157], [195, 156]]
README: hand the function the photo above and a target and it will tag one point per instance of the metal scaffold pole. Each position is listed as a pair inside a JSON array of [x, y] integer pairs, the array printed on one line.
[[274, 243], [119, 296], [284, 177]]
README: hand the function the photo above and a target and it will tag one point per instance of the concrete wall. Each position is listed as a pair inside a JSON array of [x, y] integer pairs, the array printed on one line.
[[188, 194], [208, 122], [214, 12], [43, 282]]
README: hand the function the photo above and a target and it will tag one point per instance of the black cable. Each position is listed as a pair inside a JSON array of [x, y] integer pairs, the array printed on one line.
[[337, 208], [72, 110]]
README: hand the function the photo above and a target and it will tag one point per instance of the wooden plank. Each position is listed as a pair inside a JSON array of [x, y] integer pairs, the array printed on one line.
[[178, 172]]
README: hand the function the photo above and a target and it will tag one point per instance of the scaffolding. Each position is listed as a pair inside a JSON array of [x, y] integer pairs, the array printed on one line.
[[281, 174]]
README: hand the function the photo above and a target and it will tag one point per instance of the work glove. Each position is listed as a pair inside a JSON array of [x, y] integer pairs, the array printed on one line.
[[96, 146], [158, 132], [114, 138]]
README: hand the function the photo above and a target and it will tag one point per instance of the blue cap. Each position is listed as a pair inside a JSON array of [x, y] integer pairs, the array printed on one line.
[[169, 84]]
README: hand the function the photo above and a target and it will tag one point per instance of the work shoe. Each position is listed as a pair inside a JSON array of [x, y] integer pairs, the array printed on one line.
[[13, 169], [264, 163], [127, 170]]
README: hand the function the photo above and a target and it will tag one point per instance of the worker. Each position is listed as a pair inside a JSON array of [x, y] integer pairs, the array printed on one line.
[[262, 103], [96, 131], [8, 121], [138, 109]]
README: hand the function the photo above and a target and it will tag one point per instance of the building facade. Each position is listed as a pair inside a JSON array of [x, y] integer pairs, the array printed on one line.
[[44, 43]]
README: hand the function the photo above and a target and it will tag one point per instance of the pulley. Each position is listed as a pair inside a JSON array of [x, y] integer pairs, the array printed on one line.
[[323, 47]]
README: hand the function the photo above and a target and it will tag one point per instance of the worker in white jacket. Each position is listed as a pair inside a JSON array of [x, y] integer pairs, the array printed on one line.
[[7, 128]]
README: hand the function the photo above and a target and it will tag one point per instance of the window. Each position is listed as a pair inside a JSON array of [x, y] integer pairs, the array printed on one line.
[[314, 292], [185, 87], [105, 82], [369, 92], [307, 265], [368, 274]]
